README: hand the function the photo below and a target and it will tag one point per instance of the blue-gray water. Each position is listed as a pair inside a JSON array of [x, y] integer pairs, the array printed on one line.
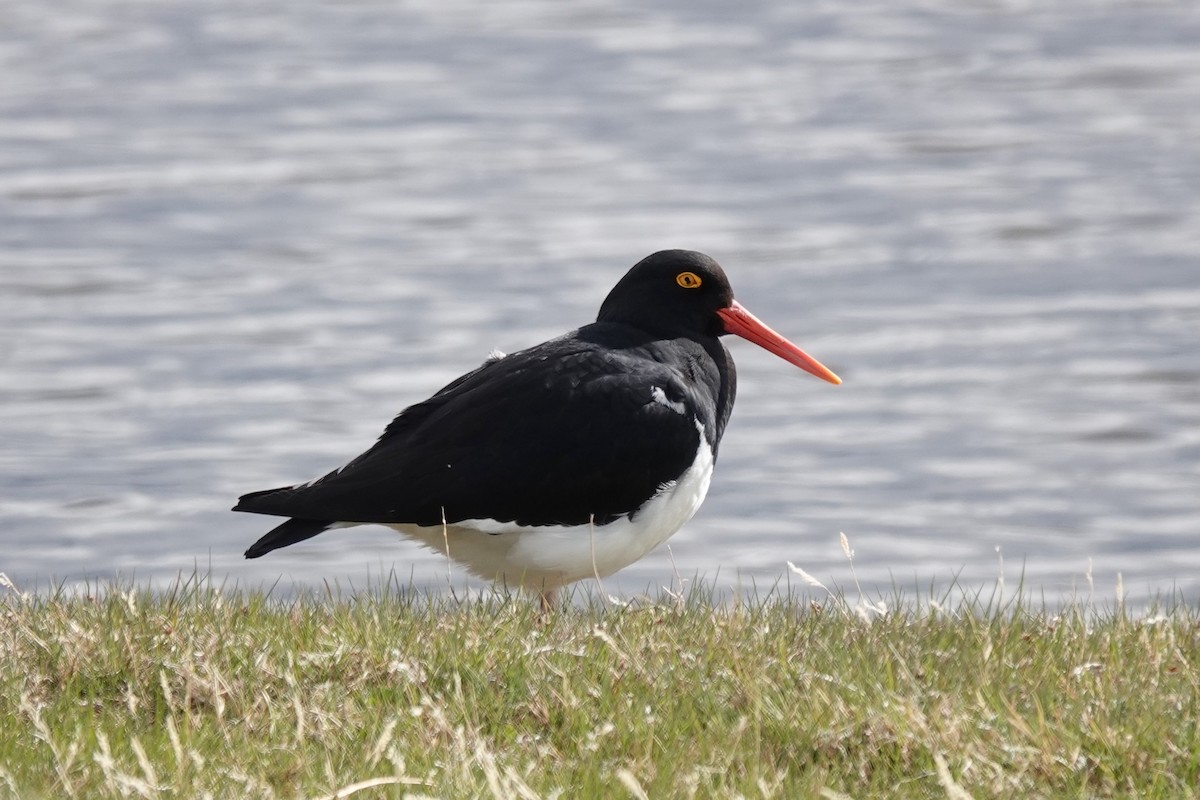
[[235, 239]]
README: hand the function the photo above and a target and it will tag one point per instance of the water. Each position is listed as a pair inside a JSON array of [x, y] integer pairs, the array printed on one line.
[[236, 240]]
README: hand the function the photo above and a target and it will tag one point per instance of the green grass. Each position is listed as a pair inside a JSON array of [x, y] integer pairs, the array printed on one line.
[[196, 692]]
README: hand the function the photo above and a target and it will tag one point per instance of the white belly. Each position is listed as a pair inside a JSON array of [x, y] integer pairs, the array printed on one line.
[[549, 556]]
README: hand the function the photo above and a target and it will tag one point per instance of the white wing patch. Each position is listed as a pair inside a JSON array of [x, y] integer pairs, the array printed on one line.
[[659, 396]]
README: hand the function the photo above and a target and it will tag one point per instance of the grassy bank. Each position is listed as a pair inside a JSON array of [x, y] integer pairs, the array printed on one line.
[[194, 692]]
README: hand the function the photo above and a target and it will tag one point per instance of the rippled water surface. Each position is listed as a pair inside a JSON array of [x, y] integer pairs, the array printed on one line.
[[236, 239]]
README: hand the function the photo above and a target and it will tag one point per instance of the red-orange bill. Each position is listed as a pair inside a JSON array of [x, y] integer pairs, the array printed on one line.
[[742, 323]]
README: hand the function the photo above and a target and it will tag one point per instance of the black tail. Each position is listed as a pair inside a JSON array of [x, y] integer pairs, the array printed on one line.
[[290, 532]]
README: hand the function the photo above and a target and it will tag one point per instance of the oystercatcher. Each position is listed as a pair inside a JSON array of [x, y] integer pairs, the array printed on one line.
[[568, 460]]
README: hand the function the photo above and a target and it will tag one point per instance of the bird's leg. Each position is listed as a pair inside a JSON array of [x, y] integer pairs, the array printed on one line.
[[546, 602]]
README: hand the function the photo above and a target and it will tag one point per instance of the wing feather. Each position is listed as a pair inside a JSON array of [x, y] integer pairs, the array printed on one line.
[[558, 434]]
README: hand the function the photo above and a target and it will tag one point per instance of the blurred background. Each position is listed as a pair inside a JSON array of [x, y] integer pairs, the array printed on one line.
[[237, 238]]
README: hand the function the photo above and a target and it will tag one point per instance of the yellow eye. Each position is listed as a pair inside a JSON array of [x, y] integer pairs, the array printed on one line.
[[688, 280]]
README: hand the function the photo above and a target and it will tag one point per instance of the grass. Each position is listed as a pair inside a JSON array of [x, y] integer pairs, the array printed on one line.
[[197, 692]]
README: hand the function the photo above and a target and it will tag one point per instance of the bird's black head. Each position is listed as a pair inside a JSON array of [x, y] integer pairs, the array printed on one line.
[[682, 293], [676, 292]]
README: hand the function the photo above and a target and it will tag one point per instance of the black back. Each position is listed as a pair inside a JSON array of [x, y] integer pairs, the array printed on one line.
[[561, 433]]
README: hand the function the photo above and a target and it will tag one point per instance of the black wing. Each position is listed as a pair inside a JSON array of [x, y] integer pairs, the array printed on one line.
[[563, 433]]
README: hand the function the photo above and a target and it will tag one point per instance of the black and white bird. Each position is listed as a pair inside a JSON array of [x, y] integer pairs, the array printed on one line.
[[568, 460]]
